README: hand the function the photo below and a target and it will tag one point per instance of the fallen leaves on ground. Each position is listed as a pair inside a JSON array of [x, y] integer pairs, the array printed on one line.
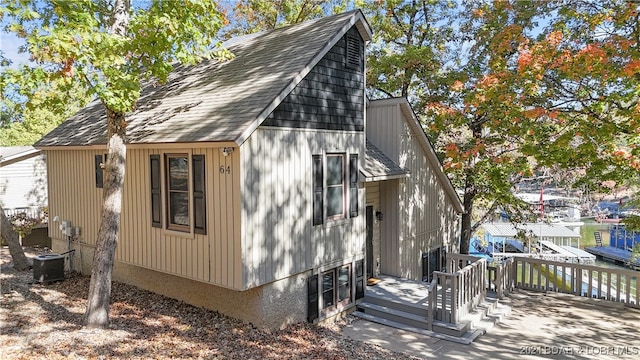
[[45, 321]]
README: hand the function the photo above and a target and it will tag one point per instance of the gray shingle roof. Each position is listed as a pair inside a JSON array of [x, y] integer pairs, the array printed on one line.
[[215, 101], [378, 166], [9, 151], [13, 154]]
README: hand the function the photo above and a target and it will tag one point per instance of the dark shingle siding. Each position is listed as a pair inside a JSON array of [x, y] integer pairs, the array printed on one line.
[[330, 97]]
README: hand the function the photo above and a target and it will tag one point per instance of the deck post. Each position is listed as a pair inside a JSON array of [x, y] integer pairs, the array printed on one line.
[[454, 299], [578, 284], [433, 298]]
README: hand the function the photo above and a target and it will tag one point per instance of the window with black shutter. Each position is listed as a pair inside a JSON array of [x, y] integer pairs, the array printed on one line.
[[335, 187], [98, 170], [184, 194], [312, 298], [360, 279], [199, 200], [318, 190], [156, 196], [353, 185]]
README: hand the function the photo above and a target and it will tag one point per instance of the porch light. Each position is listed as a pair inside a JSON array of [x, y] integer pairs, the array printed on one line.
[[379, 215]]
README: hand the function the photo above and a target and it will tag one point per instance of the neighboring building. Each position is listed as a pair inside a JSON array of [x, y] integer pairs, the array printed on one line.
[[23, 189], [244, 190], [23, 179]]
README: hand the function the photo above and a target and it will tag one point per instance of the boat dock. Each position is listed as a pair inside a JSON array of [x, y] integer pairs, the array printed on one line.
[[568, 251], [612, 254]]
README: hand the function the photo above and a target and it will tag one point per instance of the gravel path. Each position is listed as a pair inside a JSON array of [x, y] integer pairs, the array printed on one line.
[[45, 322]]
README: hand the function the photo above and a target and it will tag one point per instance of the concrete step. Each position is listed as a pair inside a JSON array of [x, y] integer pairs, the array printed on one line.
[[466, 339], [488, 313], [397, 304], [393, 314], [451, 329]]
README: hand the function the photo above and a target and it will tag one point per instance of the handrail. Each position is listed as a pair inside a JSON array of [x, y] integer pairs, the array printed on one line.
[[461, 288], [433, 286], [500, 278], [617, 285]]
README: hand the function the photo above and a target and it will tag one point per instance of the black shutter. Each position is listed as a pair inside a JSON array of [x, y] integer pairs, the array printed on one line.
[[99, 173], [156, 198], [199, 200], [360, 279], [312, 298], [318, 190], [353, 185]]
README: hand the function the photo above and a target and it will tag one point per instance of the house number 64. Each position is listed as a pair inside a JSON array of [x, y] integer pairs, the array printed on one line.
[[224, 169]]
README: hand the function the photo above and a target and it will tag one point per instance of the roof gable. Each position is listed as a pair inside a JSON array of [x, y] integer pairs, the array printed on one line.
[[219, 101], [412, 121]]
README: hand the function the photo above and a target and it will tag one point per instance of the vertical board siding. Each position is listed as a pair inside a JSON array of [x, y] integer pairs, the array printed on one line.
[[213, 258], [73, 195], [278, 236], [426, 218]]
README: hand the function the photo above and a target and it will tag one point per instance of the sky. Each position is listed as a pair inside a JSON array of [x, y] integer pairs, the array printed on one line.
[[9, 44]]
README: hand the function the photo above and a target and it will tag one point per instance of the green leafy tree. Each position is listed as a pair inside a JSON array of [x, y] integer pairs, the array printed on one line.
[[409, 50], [506, 88], [111, 47], [31, 105]]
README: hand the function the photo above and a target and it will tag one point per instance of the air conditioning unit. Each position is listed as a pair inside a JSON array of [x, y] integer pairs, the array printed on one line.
[[48, 268]]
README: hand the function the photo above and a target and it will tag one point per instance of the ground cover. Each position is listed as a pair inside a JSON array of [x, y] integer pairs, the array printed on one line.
[[45, 322]]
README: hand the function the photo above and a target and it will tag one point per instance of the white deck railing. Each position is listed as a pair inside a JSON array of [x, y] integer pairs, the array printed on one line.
[[455, 293], [617, 285], [501, 278]]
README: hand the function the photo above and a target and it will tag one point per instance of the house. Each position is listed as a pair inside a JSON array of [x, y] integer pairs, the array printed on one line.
[[23, 188], [419, 207], [247, 186]]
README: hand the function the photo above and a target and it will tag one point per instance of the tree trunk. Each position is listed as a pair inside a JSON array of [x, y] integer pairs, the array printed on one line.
[[20, 261], [467, 203], [465, 236], [97, 313]]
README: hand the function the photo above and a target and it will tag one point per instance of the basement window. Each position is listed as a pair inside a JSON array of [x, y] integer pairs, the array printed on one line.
[[336, 287]]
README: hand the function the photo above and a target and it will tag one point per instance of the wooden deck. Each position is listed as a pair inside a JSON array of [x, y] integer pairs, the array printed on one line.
[[409, 292]]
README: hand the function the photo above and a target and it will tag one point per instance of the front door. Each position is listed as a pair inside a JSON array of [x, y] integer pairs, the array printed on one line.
[[369, 242], [430, 263]]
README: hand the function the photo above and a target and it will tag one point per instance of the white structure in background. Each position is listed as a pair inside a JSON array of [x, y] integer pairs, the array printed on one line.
[[561, 210], [23, 180], [544, 241]]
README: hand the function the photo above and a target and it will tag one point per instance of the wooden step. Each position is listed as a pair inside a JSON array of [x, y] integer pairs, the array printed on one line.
[[398, 304], [395, 315]]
